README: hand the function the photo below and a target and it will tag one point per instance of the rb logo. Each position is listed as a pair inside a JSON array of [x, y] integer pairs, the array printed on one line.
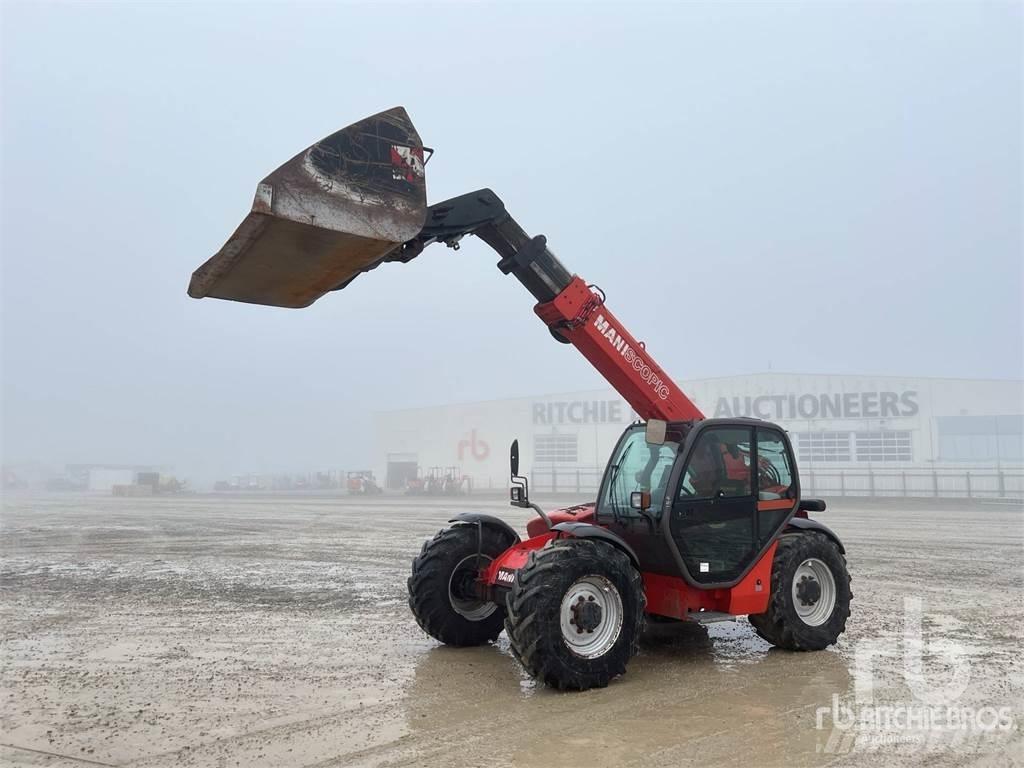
[[479, 449]]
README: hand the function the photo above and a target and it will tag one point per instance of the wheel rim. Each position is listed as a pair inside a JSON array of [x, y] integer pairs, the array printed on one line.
[[591, 616], [814, 592], [460, 582]]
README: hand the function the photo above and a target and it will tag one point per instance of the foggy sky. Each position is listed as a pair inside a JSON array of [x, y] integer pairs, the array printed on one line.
[[822, 188]]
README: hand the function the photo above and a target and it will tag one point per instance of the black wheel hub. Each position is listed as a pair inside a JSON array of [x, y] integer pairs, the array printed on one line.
[[464, 585], [808, 590], [586, 615]]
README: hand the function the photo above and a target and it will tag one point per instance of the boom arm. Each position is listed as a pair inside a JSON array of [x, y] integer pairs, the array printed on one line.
[[574, 312], [358, 198]]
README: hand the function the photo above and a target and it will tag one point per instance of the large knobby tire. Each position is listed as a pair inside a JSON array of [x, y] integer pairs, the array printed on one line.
[[557, 633], [810, 598], [440, 587]]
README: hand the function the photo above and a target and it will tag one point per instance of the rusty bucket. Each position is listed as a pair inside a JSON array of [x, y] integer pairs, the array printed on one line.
[[331, 212]]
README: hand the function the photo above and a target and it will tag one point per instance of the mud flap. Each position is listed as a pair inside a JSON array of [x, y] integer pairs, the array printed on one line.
[[331, 212]]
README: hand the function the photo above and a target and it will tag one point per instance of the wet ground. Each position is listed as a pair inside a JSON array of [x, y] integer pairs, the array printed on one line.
[[273, 631]]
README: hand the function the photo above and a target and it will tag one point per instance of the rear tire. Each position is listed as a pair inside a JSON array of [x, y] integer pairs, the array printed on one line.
[[810, 598], [575, 614], [440, 587]]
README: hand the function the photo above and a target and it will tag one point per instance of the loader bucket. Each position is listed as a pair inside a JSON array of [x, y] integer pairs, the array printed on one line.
[[331, 212]]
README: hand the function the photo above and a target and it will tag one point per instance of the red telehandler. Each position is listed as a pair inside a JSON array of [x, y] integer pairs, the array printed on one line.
[[696, 519]]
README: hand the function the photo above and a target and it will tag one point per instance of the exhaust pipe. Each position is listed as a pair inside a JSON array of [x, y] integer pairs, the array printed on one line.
[[331, 212]]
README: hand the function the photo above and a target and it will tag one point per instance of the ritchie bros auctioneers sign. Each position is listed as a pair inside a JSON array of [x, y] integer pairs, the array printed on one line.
[[846, 405], [834, 405]]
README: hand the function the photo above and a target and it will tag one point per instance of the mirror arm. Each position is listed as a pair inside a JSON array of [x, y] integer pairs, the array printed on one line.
[[543, 515]]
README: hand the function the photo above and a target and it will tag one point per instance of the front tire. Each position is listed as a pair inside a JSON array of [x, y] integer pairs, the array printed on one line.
[[575, 614], [441, 587], [810, 599]]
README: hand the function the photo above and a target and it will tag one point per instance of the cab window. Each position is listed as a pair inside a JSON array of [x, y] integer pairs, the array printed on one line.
[[719, 466], [637, 466], [774, 474]]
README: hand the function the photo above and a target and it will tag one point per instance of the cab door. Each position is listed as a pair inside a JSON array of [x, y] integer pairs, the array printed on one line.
[[713, 518], [778, 488], [736, 487], [636, 465]]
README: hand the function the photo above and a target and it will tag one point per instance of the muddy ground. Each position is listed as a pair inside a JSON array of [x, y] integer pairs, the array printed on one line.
[[274, 631]]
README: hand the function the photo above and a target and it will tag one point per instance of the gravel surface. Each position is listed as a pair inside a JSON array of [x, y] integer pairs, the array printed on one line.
[[274, 631]]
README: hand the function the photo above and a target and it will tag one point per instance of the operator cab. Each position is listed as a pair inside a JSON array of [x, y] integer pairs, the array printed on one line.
[[705, 500]]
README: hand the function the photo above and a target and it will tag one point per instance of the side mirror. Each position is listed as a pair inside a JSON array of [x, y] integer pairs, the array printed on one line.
[[519, 493], [812, 505], [656, 431], [640, 500]]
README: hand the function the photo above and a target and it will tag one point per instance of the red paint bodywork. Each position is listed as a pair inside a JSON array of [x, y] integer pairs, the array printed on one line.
[[666, 595], [514, 557], [578, 315], [671, 596], [583, 513], [621, 359]]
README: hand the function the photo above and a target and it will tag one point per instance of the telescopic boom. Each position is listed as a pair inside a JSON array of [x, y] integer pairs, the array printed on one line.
[[357, 199], [574, 312]]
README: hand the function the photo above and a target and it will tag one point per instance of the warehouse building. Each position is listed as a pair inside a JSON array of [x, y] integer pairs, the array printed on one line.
[[103, 477], [853, 435]]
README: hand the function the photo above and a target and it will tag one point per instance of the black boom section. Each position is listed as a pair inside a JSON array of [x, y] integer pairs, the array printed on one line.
[[487, 520], [482, 213], [588, 531]]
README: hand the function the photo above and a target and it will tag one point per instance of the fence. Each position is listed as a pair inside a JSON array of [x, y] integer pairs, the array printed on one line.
[[945, 482], [566, 479]]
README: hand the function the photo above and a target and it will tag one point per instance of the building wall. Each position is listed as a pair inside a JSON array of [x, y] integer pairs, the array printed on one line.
[[835, 422], [877, 415], [475, 437]]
